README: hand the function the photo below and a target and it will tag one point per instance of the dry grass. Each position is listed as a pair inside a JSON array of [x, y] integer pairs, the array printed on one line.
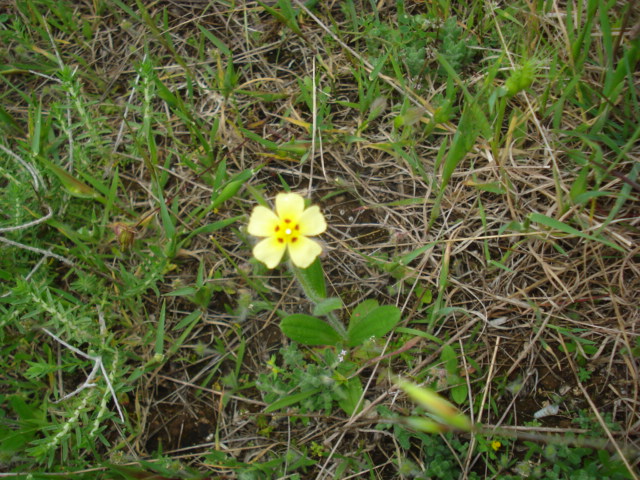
[[528, 320]]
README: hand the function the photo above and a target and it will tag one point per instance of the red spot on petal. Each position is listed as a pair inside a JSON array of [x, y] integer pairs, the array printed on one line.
[[287, 220], [297, 227], [281, 240], [294, 239], [277, 227]]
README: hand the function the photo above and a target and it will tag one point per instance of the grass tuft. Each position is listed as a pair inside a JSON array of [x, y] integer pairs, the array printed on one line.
[[477, 164]]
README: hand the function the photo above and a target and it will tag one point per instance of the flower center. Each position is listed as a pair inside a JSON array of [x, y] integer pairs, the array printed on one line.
[[287, 231]]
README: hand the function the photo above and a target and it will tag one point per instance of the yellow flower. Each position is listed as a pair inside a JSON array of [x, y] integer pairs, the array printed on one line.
[[287, 229], [496, 445]]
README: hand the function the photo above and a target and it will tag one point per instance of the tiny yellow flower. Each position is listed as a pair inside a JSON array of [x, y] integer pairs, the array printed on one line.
[[287, 229], [496, 445]]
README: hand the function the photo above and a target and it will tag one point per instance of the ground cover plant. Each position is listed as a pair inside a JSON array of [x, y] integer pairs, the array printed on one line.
[[461, 300]]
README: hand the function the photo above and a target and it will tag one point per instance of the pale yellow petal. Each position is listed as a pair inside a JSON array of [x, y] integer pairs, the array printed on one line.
[[262, 222], [269, 251], [312, 222], [289, 205], [304, 252]]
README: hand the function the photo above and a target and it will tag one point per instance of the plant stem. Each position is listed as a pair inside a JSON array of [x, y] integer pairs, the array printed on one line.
[[311, 280]]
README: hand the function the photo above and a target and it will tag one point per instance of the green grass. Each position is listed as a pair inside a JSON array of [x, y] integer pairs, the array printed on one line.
[[477, 165]]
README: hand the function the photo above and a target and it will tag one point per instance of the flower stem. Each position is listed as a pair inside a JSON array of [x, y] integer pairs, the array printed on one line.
[[337, 325], [311, 279]]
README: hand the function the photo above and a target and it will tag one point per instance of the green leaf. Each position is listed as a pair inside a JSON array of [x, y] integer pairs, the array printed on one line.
[[563, 227], [29, 414], [450, 359], [411, 256], [167, 221], [165, 94], [212, 227], [363, 309], [160, 330], [308, 330], [520, 79], [286, 14], [420, 333], [327, 305], [352, 392], [13, 441], [291, 400], [220, 45], [9, 124], [465, 137], [424, 294], [227, 192], [312, 280], [492, 187], [378, 65], [589, 195], [75, 187], [181, 292], [258, 139], [377, 323], [188, 321], [459, 394]]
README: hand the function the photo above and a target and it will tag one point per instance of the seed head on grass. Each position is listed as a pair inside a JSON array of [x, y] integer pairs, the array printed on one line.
[[287, 229]]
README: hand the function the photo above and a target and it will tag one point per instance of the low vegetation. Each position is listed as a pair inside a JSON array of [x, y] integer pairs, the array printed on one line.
[[473, 313]]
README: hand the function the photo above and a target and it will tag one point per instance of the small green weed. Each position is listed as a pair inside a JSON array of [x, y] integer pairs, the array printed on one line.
[[314, 384], [412, 43], [474, 161]]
